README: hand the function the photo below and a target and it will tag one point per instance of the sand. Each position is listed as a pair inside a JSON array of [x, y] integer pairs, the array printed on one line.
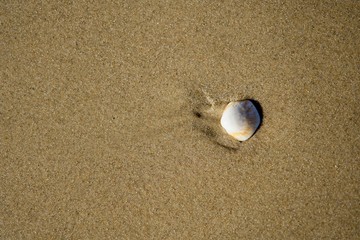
[[105, 130]]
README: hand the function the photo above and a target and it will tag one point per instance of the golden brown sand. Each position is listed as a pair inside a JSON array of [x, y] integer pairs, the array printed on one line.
[[105, 130]]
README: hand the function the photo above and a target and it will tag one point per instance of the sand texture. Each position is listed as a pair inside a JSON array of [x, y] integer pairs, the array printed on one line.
[[110, 119]]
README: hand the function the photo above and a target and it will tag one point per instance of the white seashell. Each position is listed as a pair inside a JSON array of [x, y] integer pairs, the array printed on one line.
[[240, 119]]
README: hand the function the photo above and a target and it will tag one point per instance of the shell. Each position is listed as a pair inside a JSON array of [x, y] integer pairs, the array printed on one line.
[[240, 119]]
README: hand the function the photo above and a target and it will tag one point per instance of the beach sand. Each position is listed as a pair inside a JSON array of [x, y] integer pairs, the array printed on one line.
[[106, 132]]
